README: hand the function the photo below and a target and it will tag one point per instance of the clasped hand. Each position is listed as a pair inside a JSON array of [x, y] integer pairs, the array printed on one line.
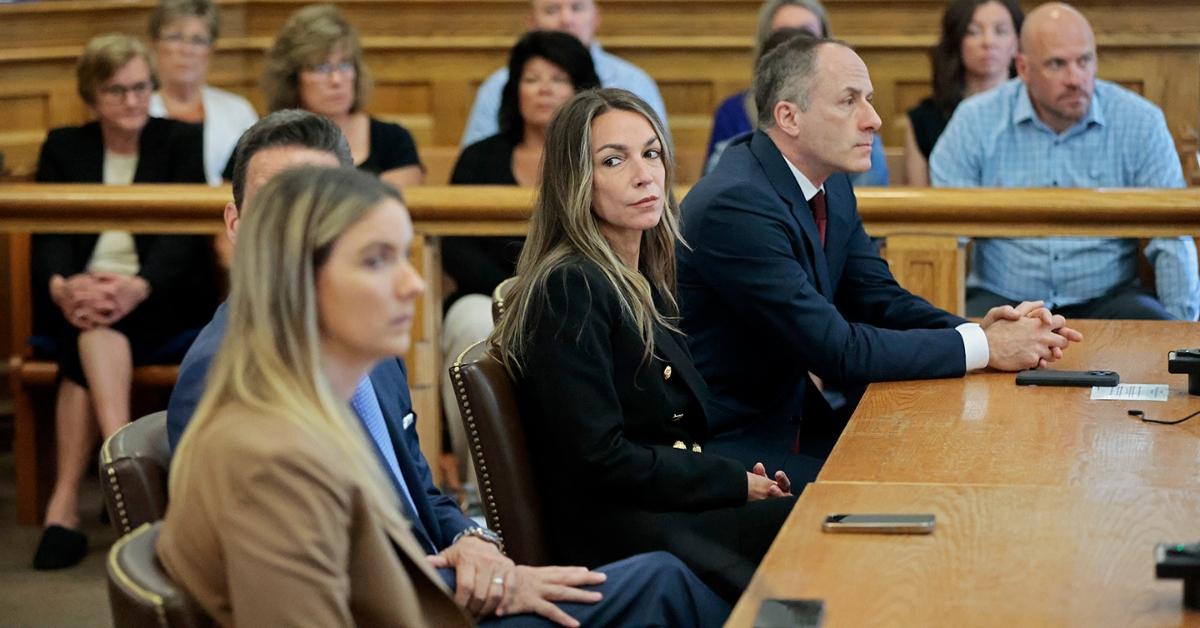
[[759, 486], [487, 582], [90, 300], [1026, 336]]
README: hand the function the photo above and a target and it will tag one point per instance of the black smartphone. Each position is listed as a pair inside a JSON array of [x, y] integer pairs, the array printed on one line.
[[774, 613], [879, 523], [1051, 377]]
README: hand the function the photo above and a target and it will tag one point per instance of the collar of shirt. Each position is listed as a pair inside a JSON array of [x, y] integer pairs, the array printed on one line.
[[806, 187], [1023, 112]]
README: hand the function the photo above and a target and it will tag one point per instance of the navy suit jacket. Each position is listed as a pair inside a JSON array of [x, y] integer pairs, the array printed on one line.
[[764, 304], [439, 514]]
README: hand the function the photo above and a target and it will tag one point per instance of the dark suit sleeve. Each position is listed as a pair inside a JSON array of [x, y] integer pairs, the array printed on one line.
[[53, 253], [189, 387], [868, 293], [50, 167], [450, 518], [745, 251], [185, 148], [170, 261], [568, 377]]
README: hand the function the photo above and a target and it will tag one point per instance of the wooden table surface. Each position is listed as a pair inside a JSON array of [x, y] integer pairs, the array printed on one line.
[[984, 429], [999, 556]]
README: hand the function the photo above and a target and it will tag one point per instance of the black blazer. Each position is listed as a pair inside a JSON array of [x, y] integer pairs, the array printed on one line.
[[603, 424], [764, 304], [178, 268]]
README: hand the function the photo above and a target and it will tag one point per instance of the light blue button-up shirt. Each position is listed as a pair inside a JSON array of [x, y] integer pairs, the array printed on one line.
[[612, 71], [995, 139]]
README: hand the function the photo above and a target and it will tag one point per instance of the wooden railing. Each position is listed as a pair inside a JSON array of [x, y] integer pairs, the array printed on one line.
[[922, 229], [921, 225]]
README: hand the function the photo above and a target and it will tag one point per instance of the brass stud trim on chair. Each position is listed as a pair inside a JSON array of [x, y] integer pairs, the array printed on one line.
[[106, 458], [493, 517]]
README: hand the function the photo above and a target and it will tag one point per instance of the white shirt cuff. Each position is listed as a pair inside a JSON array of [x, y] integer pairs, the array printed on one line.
[[975, 345]]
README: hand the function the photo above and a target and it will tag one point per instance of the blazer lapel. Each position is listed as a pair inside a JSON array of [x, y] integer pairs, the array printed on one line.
[[676, 354], [781, 178], [151, 142], [388, 384], [91, 154]]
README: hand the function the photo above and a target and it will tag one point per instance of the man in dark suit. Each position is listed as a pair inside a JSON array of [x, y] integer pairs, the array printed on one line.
[[648, 589], [779, 282]]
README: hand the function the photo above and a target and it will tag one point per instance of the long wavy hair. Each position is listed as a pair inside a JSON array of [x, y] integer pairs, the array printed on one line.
[[269, 361], [563, 226], [949, 72]]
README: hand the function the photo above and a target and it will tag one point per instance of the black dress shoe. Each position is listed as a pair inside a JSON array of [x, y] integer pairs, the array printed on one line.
[[60, 548]]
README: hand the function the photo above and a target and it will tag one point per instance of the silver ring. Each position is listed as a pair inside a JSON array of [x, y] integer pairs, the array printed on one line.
[[498, 580]]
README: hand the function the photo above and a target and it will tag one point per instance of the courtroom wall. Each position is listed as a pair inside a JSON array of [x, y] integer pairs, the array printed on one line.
[[428, 56]]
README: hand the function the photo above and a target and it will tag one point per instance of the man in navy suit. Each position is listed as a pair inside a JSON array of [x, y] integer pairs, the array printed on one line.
[[648, 589], [779, 283]]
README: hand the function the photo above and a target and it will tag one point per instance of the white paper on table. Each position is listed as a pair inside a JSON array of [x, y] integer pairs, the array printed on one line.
[[1132, 392]]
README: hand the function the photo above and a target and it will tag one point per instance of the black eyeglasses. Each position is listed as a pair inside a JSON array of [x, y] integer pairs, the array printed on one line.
[[345, 67], [178, 39], [116, 93]]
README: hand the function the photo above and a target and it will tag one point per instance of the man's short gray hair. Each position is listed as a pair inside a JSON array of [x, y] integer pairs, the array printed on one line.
[[786, 74]]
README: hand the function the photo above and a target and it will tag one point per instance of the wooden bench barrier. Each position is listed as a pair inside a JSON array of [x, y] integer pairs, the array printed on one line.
[[921, 227]]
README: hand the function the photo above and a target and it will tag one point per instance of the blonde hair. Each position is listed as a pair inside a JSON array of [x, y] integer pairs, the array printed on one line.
[[103, 57], [563, 225], [270, 358], [308, 37]]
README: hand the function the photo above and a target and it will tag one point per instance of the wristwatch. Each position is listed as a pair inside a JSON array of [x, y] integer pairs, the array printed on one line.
[[481, 533]]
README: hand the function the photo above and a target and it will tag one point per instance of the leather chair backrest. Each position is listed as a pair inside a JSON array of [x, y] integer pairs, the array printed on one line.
[[496, 437], [140, 592], [498, 298], [133, 471]]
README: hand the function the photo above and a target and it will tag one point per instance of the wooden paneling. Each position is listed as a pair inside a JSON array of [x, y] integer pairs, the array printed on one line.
[[428, 56]]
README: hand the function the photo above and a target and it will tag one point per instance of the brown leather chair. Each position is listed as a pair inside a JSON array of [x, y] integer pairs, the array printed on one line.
[[133, 471], [498, 298], [497, 441], [140, 592]]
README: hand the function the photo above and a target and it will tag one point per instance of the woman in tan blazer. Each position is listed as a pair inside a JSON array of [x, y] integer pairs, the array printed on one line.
[[280, 511]]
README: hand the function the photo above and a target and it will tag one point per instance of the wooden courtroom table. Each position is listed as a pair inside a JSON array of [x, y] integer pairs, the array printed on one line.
[[999, 556], [984, 429]]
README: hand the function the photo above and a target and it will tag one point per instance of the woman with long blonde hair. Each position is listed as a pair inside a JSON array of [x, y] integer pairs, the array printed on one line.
[[606, 386], [280, 512]]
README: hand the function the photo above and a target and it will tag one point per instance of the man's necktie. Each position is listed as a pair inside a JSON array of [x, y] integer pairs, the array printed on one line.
[[366, 405], [819, 214]]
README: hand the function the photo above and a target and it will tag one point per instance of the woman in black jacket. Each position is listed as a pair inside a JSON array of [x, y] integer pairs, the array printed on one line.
[[105, 302], [545, 68], [612, 403]]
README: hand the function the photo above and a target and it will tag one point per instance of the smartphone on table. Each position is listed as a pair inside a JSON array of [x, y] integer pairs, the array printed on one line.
[[1051, 377], [879, 523]]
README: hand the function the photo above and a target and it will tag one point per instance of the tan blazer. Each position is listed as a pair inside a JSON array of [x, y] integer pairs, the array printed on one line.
[[270, 530]]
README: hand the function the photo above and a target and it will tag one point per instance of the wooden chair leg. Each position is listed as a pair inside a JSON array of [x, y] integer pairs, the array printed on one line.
[[33, 450]]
